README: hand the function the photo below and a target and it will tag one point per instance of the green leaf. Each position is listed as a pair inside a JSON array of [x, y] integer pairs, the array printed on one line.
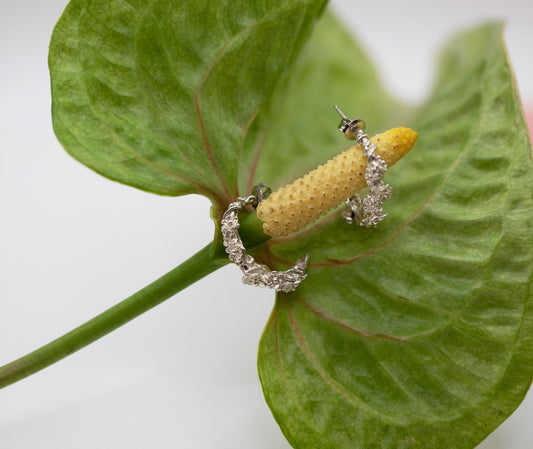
[[419, 333], [414, 334], [160, 94]]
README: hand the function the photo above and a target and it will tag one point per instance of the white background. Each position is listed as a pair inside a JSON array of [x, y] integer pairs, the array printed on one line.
[[73, 244]]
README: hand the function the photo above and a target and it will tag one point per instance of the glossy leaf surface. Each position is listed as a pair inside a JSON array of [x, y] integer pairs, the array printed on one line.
[[417, 334], [160, 94]]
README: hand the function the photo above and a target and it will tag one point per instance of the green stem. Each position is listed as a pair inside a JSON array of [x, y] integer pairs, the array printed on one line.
[[201, 264]]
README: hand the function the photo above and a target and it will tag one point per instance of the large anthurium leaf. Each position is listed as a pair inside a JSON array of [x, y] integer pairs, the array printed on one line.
[[160, 94], [419, 333]]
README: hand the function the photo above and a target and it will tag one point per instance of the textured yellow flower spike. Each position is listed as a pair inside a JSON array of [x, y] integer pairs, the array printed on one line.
[[299, 204]]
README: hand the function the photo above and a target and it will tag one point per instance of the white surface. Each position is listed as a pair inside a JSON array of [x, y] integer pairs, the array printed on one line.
[[404, 37], [73, 243]]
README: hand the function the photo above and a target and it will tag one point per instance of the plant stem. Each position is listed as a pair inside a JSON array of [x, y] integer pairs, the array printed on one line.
[[199, 265]]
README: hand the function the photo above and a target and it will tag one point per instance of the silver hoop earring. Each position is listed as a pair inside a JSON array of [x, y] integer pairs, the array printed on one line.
[[254, 273], [366, 211]]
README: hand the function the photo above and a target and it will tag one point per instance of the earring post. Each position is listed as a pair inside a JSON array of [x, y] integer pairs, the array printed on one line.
[[340, 112]]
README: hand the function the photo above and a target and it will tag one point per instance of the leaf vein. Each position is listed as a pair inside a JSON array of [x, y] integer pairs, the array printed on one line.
[[354, 400]]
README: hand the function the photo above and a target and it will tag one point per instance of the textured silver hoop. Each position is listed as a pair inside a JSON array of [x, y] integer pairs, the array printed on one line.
[[367, 211], [254, 273]]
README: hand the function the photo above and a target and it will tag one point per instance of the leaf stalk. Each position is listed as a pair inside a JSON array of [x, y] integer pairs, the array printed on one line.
[[201, 264]]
